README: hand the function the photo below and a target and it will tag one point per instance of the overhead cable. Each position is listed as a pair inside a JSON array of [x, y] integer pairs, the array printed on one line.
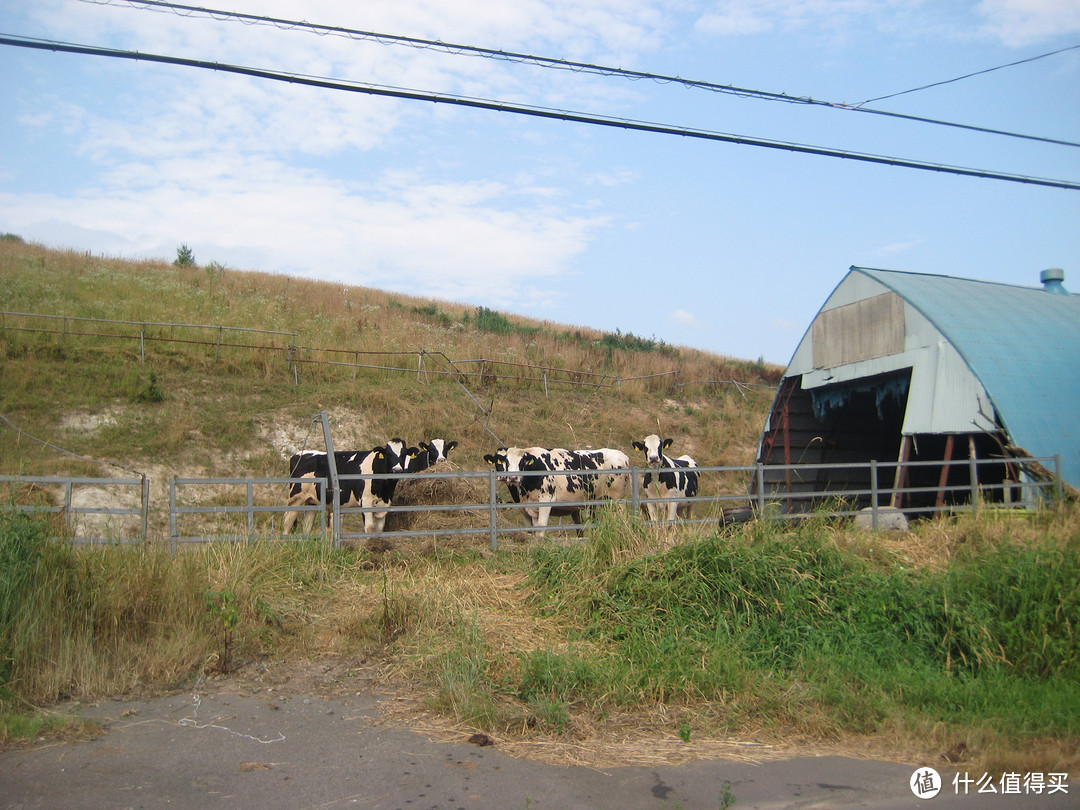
[[539, 112], [51, 446], [558, 64], [968, 75]]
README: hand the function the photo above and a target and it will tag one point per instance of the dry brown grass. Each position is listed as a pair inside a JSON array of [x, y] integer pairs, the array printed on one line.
[[386, 614]]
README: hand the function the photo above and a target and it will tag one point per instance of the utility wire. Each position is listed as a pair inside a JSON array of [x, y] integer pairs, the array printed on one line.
[[52, 446], [968, 75], [559, 64], [539, 112]]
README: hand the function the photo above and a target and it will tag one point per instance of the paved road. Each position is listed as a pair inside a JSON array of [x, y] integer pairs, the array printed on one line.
[[238, 751]]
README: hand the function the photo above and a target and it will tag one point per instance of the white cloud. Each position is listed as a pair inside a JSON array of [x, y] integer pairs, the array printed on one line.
[[684, 318], [463, 241], [894, 248], [1015, 22], [742, 17], [1022, 22], [735, 18]]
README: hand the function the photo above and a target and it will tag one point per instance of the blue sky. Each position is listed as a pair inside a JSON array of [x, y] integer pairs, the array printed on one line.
[[726, 248]]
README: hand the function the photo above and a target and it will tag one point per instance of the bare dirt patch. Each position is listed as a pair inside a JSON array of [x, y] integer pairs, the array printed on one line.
[[626, 738]]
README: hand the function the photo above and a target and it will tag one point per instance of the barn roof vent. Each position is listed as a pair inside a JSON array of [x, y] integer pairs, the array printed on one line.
[[1052, 281]]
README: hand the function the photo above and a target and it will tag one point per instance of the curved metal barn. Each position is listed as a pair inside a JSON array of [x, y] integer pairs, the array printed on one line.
[[909, 367]]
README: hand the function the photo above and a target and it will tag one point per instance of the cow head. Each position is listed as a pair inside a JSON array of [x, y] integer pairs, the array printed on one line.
[[414, 458], [437, 450], [508, 459], [653, 448], [498, 459], [396, 452]]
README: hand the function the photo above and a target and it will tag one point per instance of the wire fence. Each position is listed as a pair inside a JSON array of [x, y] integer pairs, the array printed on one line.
[[422, 363], [473, 503], [66, 327]]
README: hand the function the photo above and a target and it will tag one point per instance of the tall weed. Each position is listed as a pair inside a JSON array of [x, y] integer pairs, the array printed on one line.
[[21, 542], [109, 621], [865, 641]]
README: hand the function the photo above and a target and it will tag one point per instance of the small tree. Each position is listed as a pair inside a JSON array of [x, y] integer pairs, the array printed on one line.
[[184, 257]]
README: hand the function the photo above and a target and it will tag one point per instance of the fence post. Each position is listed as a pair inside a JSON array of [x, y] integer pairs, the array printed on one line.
[[635, 491], [173, 533], [973, 472], [250, 509], [873, 494], [145, 507], [760, 473], [142, 344], [332, 485], [491, 505], [69, 526], [1059, 485]]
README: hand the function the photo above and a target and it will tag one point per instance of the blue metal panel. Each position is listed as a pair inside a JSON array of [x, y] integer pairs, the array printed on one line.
[[1023, 345]]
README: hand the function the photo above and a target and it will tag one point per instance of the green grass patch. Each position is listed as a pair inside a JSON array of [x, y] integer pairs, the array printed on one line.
[[788, 623]]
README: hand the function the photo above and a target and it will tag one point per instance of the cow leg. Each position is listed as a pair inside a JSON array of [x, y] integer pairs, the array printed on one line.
[[302, 499], [290, 519], [304, 495], [653, 509], [672, 510], [543, 517], [374, 521], [378, 521]]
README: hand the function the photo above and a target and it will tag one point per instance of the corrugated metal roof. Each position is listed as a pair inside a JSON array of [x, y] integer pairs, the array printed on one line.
[[1023, 345]]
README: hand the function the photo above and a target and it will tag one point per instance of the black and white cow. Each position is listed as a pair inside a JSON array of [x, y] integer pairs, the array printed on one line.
[[428, 454], [364, 492], [675, 480], [543, 492], [607, 485]]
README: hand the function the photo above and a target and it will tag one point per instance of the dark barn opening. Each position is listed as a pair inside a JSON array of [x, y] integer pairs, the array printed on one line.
[[861, 422]]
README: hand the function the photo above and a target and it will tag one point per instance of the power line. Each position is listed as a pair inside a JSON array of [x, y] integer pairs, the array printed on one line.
[[969, 75], [561, 64], [52, 446], [539, 112]]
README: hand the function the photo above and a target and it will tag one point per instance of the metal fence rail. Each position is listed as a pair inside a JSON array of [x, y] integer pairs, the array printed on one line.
[[494, 516], [247, 508], [70, 512]]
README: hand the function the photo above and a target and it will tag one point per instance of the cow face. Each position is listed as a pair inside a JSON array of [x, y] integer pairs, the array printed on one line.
[[498, 460], [509, 460], [653, 448], [437, 450], [414, 459], [395, 451]]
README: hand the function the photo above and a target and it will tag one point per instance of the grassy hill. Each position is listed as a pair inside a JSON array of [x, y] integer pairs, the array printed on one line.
[[959, 639], [200, 407]]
